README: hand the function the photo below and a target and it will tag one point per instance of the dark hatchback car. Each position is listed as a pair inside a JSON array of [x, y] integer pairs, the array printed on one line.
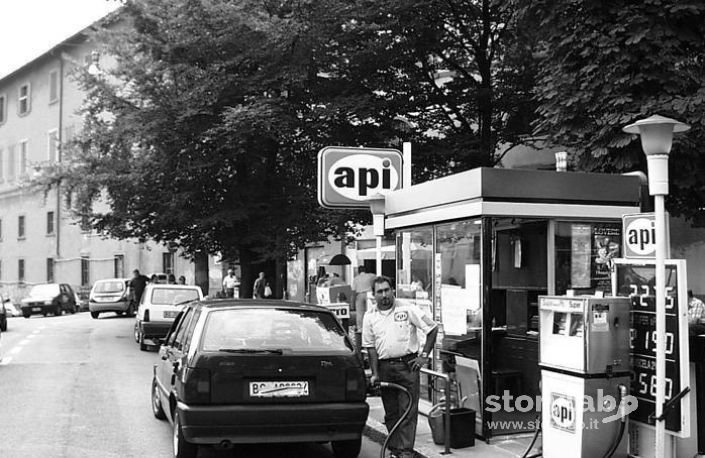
[[259, 371], [49, 298]]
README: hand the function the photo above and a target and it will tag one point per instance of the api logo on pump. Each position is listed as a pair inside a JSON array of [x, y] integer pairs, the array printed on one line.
[[563, 414], [348, 177]]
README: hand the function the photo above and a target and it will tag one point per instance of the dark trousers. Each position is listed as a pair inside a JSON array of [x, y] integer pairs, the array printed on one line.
[[395, 403]]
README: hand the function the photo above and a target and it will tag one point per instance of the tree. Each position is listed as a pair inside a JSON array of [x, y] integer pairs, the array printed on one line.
[[197, 134], [457, 73], [604, 65]]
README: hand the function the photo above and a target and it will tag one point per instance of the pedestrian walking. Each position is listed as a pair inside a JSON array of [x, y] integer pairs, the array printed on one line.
[[182, 280], [137, 285], [171, 279], [258, 289], [389, 332], [230, 282]]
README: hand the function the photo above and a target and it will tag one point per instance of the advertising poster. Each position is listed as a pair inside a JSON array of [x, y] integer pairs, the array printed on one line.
[[606, 245], [580, 250]]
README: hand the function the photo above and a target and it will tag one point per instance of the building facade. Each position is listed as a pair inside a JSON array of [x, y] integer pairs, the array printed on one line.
[[40, 240]]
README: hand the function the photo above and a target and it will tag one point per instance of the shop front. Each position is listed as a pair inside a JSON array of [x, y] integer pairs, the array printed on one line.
[[478, 248]]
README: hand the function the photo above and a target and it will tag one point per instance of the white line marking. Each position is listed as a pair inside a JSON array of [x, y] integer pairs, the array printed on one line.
[[31, 336], [23, 342], [14, 351], [5, 361]]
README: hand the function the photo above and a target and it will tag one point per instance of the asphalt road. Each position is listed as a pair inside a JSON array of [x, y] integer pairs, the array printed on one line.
[[71, 386]]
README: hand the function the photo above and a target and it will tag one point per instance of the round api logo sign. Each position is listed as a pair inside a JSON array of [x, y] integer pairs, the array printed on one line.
[[348, 177], [640, 235], [563, 414]]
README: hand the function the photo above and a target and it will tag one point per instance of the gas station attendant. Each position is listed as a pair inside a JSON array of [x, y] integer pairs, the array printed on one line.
[[389, 332]]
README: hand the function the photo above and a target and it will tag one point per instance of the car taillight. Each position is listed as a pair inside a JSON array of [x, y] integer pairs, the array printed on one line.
[[197, 385], [146, 315], [355, 386]]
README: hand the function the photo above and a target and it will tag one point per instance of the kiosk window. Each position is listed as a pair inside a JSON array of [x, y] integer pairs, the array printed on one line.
[[585, 253]]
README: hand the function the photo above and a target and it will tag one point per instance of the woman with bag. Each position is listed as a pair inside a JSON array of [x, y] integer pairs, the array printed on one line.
[[261, 287]]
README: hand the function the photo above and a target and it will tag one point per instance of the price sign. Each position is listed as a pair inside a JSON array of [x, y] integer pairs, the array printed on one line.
[[636, 280], [342, 311]]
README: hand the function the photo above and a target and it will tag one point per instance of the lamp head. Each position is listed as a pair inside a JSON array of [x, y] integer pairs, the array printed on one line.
[[656, 133], [376, 204]]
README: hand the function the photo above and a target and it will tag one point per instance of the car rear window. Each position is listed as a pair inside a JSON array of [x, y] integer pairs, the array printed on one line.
[[173, 296], [273, 329], [116, 286]]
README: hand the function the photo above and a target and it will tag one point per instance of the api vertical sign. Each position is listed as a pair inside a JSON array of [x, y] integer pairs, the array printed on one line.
[[348, 177]]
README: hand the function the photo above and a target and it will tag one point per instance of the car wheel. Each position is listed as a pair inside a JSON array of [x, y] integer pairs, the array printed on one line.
[[143, 346], [182, 449], [26, 315], [156, 403], [95, 315], [347, 449], [58, 310], [45, 313], [120, 313], [3, 324]]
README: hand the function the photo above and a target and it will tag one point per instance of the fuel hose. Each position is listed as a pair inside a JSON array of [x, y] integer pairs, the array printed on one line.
[[395, 386]]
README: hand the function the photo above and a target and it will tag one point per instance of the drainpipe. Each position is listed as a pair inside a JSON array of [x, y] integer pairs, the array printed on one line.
[[59, 155]]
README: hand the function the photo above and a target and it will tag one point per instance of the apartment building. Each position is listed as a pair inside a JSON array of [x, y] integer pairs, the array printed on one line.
[[40, 241]]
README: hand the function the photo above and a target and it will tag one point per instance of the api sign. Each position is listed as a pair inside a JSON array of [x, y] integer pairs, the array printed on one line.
[[640, 236], [348, 177]]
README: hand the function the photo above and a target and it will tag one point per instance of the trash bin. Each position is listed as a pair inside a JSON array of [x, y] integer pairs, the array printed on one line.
[[462, 426]]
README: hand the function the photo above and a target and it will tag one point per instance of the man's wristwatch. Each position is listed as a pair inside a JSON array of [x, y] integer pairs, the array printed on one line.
[[423, 354]]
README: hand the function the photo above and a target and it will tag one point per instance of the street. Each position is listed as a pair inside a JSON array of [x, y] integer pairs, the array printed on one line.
[[73, 387]]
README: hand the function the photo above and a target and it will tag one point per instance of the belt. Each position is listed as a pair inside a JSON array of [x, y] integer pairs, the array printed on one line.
[[400, 359]]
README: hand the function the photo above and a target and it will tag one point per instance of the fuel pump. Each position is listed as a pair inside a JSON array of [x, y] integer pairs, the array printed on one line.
[[584, 360]]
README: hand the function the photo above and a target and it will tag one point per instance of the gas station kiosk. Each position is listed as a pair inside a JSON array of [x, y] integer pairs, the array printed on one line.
[[479, 248]]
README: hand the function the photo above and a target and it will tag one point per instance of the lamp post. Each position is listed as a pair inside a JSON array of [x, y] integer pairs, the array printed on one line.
[[376, 203], [656, 139]]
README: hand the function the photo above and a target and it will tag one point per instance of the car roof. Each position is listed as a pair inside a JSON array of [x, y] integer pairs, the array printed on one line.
[[259, 303], [172, 286]]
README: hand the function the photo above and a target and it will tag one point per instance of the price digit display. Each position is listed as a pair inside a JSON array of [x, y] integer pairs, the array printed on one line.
[[637, 281]]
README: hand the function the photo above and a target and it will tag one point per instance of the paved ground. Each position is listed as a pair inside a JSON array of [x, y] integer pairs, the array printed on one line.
[[75, 387]]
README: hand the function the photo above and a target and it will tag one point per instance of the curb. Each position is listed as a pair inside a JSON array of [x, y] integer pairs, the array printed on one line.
[[377, 432]]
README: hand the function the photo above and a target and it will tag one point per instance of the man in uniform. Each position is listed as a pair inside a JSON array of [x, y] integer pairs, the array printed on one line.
[[389, 332]]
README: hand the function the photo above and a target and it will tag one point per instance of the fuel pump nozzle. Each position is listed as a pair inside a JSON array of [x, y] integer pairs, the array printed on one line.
[[622, 412]]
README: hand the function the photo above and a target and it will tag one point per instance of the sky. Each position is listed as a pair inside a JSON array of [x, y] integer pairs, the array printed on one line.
[[32, 27]]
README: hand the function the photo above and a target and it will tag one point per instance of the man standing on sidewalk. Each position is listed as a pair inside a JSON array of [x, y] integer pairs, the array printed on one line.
[[389, 332]]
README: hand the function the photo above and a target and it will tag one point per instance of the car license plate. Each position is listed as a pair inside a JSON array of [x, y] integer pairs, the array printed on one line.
[[280, 389], [171, 313], [36, 309]]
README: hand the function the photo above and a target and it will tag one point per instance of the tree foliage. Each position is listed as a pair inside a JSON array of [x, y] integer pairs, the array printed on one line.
[[204, 131], [604, 65]]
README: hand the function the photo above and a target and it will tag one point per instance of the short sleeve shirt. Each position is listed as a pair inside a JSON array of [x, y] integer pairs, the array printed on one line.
[[393, 332], [363, 282]]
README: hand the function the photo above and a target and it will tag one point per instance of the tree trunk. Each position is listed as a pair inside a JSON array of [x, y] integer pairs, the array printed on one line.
[[201, 271], [247, 274]]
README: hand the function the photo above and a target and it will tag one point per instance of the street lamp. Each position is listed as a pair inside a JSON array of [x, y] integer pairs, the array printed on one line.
[[376, 204], [656, 139]]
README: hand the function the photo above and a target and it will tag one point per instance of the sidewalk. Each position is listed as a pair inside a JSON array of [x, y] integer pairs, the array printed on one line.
[[512, 447]]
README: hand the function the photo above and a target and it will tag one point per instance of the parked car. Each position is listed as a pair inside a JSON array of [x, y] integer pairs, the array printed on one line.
[[48, 298], [3, 314], [111, 295], [158, 307], [243, 371]]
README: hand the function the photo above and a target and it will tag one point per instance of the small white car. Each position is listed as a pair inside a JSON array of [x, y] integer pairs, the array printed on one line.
[[111, 295], [159, 305]]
